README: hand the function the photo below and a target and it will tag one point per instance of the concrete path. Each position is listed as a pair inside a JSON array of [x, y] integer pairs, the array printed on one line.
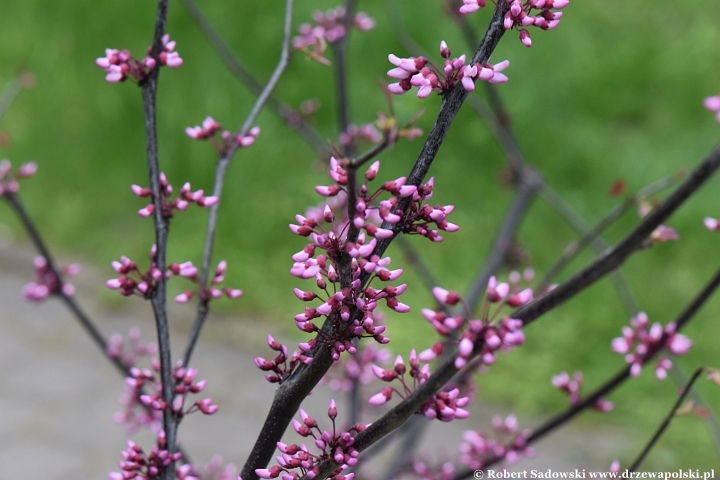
[[58, 394]]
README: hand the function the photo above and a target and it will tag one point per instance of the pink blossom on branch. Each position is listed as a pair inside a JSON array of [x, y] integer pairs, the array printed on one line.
[[479, 449], [210, 129], [47, 283], [328, 228], [329, 27], [520, 14], [9, 179], [121, 65], [641, 340], [426, 77], [713, 104], [572, 386], [297, 460], [167, 204]]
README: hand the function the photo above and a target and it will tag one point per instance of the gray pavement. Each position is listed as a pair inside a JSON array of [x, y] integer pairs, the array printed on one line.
[[58, 394]]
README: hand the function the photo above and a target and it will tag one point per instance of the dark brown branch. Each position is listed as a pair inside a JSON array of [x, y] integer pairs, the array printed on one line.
[[159, 298], [618, 254], [290, 394], [85, 321], [666, 422], [617, 379]]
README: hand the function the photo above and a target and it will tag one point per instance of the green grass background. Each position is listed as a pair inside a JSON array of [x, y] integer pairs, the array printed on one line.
[[614, 92]]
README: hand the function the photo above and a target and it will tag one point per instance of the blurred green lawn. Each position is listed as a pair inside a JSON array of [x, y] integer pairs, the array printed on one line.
[[614, 92]]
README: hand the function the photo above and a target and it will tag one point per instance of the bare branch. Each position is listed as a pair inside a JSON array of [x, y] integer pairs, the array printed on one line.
[[220, 171], [305, 129]]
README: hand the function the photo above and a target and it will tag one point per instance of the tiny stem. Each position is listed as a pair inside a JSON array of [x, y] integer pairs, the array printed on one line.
[[220, 171], [306, 130], [341, 77], [666, 422]]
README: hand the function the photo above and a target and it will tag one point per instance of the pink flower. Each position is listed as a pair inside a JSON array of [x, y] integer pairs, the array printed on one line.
[[713, 104], [471, 6]]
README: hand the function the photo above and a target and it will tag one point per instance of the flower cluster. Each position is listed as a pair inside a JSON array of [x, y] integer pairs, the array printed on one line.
[[483, 334], [713, 104], [47, 283], [641, 340], [136, 464], [444, 406], [189, 271], [132, 280], [169, 206], [524, 13], [134, 414], [329, 27], [572, 386], [120, 65], [423, 471], [478, 450], [209, 130], [357, 368], [216, 471], [185, 385], [131, 350], [279, 365], [421, 73], [366, 132], [350, 307], [334, 445], [9, 178]]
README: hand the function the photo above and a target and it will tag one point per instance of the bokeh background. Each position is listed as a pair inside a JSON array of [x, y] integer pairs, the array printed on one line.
[[614, 93]]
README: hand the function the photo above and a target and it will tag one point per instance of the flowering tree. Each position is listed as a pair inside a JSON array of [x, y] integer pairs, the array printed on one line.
[[352, 284]]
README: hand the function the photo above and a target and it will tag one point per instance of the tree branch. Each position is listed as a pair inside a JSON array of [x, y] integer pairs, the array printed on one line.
[[220, 171]]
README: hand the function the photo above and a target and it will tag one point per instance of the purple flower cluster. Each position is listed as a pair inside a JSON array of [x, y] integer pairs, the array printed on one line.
[[209, 130], [421, 73], [168, 205], [641, 340], [138, 465], [572, 386], [9, 178], [121, 65], [329, 27], [279, 365], [482, 333], [478, 450], [524, 13], [334, 445], [444, 406], [47, 283]]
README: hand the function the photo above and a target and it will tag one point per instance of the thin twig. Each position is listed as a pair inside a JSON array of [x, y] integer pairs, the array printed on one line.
[[220, 171], [526, 193], [231, 61], [341, 76], [578, 223], [9, 93], [85, 321], [666, 421], [576, 247], [616, 256]]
